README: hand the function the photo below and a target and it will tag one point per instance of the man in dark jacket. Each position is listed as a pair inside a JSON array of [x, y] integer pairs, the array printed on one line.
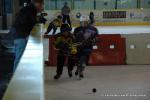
[[25, 20]]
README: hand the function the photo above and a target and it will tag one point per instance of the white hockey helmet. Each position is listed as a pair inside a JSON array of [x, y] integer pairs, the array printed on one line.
[[84, 21]]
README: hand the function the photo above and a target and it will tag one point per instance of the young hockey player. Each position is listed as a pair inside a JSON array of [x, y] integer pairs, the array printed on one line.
[[63, 45], [91, 17], [85, 35], [54, 25]]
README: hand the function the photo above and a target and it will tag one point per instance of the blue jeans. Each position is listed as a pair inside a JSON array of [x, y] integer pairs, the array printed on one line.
[[19, 47]]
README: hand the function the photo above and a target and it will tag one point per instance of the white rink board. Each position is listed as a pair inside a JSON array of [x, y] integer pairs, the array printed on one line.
[[137, 48]]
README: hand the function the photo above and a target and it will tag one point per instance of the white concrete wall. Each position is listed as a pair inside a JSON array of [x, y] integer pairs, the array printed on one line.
[[27, 82]]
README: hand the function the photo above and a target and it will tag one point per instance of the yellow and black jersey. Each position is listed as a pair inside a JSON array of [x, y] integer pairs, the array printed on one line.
[[57, 22], [65, 44]]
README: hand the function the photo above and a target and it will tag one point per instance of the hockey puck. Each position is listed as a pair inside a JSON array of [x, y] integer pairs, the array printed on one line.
[[94, 90]]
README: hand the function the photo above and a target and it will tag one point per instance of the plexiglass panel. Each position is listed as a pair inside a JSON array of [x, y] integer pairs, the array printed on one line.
[[126, 4], [105, 4], [97, 4], [84, 4], [145, 3]]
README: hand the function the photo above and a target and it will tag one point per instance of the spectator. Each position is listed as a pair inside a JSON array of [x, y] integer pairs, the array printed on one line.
[[21, 28]]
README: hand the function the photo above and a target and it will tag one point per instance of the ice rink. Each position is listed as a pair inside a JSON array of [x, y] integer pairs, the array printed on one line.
[[111, 82], [126, 82]]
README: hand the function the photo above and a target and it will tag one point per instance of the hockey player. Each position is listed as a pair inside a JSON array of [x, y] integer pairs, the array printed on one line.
[[57, 22], [63, 44], [85, 36], [65, 11], [91, 17]]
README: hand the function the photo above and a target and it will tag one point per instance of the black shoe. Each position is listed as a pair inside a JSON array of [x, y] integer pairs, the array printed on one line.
[[76, 73], [56, 77], [70, 74], [81, 76]]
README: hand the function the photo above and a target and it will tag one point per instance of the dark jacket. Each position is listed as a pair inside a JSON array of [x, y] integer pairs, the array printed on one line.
[[25, 20], [65, 10], [86, 36]]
